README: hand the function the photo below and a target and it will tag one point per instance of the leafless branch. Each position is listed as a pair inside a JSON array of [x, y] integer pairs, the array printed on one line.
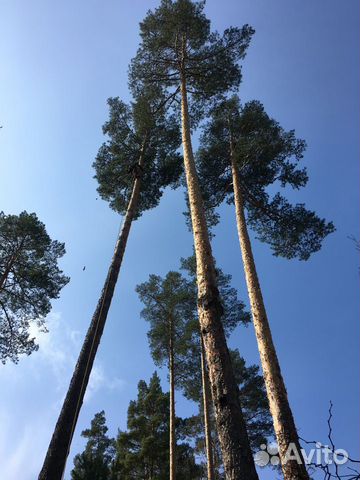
[[333, 469]]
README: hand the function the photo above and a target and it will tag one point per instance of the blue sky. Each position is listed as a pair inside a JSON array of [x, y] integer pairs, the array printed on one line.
[[60, 62]]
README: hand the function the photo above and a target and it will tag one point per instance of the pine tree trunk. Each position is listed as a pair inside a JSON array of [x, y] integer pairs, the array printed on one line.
[[284, 424], [5, 275], [207, 417], [10, 264], [172, 405], [55, 460], [234, 442]]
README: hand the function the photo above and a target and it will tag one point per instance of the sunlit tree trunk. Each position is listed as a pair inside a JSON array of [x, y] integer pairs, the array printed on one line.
[[172, 404], [207, 415], [234, 442], [284, 424], [55, 460]]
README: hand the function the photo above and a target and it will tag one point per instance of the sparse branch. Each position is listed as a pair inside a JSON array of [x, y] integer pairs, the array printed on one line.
[[332, 469]]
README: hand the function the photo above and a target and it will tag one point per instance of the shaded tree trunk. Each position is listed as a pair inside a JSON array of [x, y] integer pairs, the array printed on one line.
[[207, 416], [172, 445], [58, 450], [284, 424], [5, 275], [235, 447], [14, 257]]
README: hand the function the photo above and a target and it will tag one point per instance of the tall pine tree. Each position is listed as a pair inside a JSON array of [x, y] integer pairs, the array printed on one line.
[[179, 53], [175, 341], [133, 167], [196, 387], [244, 151], [169, 306]]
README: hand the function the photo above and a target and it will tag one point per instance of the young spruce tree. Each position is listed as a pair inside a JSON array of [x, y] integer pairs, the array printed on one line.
[[243, 151], [95, 462], [179, 53], [142, 452], [133, 167]]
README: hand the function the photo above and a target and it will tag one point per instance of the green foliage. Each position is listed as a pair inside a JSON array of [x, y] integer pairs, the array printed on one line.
[[95, 462], [252, 394], [234, 312], [266, 155], [174, 297], [29, 279], [142, 125], [176, 41], [253, 399], [143, 451], [170, 304]]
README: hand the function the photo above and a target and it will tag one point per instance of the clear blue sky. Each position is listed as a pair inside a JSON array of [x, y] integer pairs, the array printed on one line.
[[59, 63]]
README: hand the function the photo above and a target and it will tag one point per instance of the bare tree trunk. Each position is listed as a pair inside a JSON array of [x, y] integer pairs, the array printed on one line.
[[237, 456], [284, 424], [207, 417], [172, 405], [55, 460]]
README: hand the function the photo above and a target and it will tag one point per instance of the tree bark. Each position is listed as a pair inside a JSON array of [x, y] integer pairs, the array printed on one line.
[[207, 417], [283, 420], [5, 275], [172, 445], [58, 450], [234, 442], [10, 264]]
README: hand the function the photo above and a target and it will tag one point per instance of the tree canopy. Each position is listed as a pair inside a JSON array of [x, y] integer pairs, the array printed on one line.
[[29, 279], [96, 460], [143, 450], [141, 126], [169, 309], [266, 156], [176, 40], [174, 296]]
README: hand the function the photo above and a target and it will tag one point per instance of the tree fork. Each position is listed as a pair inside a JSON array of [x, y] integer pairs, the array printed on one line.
[[58, 450], [284, 424], [234, 442]]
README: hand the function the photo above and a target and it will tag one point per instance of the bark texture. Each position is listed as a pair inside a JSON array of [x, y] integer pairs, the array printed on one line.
[[234, 442], [283, 420], [14, 257], [207, 417], [58, 450], [5, 275], [172, 405]]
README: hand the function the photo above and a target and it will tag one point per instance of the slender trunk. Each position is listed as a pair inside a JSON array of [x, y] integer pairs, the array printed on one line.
[[235, 447], [207, 417], [172, 405], [55, 460], [284, 424]]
